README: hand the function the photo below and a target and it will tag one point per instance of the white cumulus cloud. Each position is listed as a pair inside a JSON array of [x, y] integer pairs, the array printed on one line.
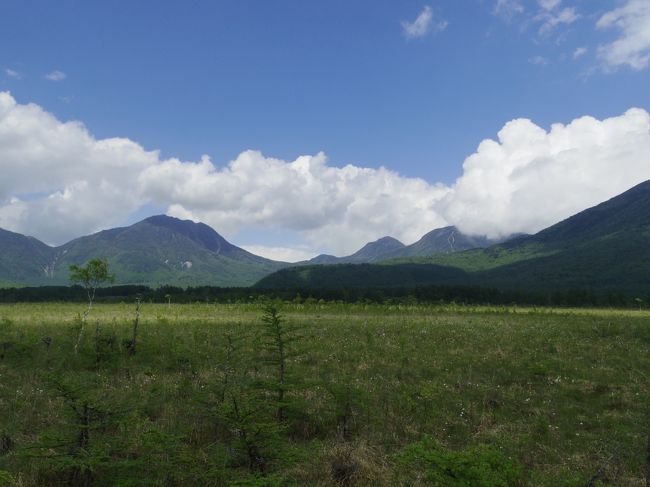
[[59, 182], [423, 24], [338, 208], [632, 46], [531, 178]]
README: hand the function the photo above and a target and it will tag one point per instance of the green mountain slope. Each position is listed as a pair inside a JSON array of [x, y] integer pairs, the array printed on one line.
[[158, 250], [604, 248], [611, 238], [617, 262], [23, 258], [360, 275]]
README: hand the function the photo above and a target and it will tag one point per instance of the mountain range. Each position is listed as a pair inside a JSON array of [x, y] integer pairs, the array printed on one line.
[[165, 250], [606, 247], [446, 240]]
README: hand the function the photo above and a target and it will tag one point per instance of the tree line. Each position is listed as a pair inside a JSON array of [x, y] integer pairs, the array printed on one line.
[[432, 294]]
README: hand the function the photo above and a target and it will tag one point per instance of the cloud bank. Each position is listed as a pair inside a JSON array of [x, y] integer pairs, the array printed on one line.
[[59, 182], [530, 178], [337, 208]]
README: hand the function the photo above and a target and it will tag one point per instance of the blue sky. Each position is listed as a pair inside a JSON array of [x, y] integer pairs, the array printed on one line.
[[364, 82]]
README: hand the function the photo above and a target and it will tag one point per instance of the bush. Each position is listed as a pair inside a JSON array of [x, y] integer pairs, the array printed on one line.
[[480, 466]]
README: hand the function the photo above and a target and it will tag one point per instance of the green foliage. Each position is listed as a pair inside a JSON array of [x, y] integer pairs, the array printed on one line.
[[361, 276], [420, 295], [254, 434], [6, 479], [278, 348], [92, 275], [70, 450], [276, 353], [479, 466]]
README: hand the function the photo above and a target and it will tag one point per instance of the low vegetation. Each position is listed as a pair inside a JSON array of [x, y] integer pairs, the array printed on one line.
[[324, 395]]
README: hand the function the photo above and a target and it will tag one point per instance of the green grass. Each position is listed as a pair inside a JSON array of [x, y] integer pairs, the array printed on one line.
[[379, 395]]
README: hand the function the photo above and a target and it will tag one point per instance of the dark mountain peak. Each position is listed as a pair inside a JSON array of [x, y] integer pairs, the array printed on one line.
[[439, 241], [437, 235], [376, 251], [630, 209], [323, 259], [381, 245], [198, 232], [643, 187], [9, 234], [8, 237], [446, 240], [384, 241], [436, 232], [22, 257]]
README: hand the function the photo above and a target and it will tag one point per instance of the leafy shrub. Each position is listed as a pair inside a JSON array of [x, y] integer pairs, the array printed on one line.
[[480, 466], [6, 478]]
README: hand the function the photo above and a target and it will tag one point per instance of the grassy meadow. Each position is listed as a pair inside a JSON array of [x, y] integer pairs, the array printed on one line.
[[329, 394]]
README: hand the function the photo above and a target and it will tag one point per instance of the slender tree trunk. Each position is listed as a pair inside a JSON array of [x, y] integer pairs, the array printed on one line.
[[84, 318], [98, 345], [82, 476], [647, 463], [254, 460], [136, 321], [84, 429], [281, 373]]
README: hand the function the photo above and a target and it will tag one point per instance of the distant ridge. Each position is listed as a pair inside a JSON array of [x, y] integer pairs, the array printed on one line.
[[157, 250], [446, 240], [381, 249], [439, 241], [604, 248]]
